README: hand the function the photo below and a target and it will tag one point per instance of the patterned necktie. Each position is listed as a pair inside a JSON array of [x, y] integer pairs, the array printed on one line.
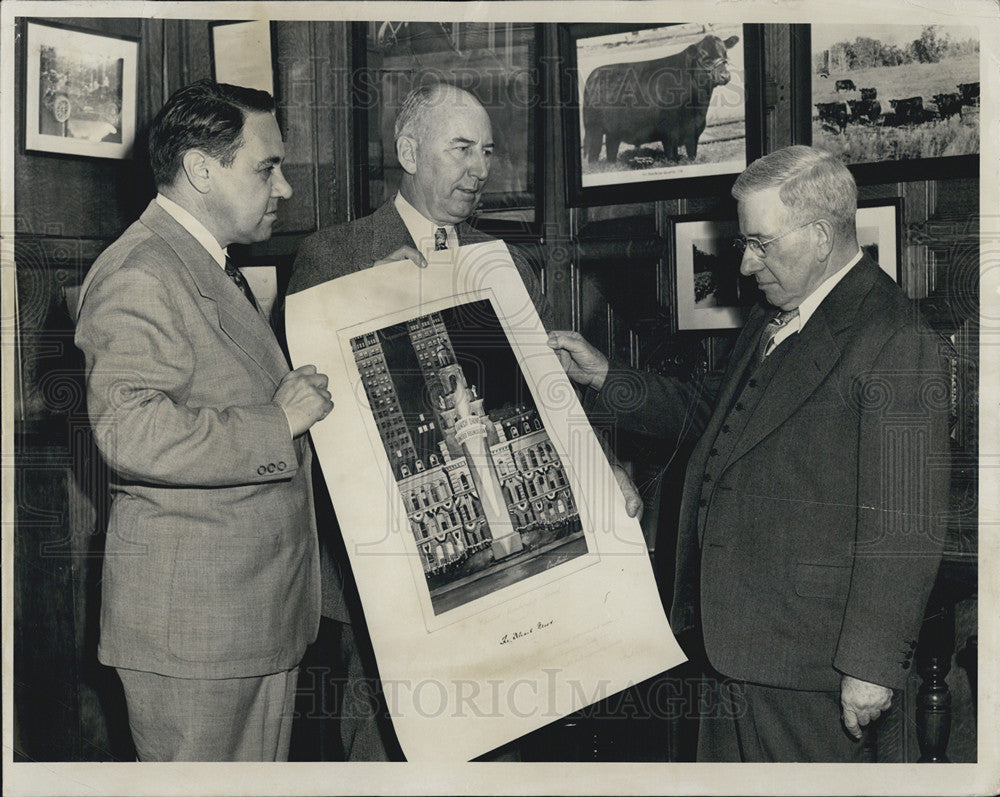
[[767, 344], [440, 239], [241, 282]]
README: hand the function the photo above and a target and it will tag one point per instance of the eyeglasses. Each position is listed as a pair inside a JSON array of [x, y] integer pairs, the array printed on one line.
[[758, 247]]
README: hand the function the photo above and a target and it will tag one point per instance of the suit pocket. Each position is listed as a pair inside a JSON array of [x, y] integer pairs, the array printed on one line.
[[227, 601], [822, 581]]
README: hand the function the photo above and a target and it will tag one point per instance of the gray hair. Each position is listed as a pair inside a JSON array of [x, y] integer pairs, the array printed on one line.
[[411, 119], [813, 183]]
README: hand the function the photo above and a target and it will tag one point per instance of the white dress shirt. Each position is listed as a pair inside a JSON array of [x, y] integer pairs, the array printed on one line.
[[421, 228], [195, 227], [812, 301]]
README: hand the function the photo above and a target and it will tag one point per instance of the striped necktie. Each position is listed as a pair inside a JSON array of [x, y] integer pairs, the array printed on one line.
[[440, 239], [241, 282], [767, 344]]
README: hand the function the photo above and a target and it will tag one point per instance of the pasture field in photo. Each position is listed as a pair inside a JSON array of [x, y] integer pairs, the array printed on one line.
[[899, 82], [861, 143], [934, 139]]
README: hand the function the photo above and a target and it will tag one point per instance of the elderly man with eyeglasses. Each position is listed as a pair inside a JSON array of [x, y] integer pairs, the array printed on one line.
[[810, 527]]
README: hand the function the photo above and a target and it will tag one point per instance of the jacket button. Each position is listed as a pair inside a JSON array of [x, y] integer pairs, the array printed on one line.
[[906, 664], [725, 428], [713, 452], [261, 470], [739, 406], [282, 466], [270, 468]]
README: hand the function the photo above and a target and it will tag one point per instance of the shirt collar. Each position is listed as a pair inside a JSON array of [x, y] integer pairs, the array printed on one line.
[[814, 299], [196, 228], [421, 228]]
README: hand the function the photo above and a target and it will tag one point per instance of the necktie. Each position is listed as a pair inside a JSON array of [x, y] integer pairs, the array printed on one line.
[[775, 324], [440, 239], [237, 277]]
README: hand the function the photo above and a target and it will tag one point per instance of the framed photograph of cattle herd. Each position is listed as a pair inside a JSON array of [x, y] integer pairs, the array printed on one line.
[[658, 111], [498, 63], [895, 102]]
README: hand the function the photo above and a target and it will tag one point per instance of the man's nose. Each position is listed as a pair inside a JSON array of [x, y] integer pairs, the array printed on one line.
[[280, 187], [480, 166], [749, 264]]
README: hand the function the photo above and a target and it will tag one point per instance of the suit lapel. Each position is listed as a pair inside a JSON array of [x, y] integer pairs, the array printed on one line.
[[812, 357], [389, 231], [246, 327]]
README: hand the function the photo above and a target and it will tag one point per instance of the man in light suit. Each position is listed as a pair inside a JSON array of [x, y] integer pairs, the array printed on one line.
[[444, 143], [811, 518], [211, 570]]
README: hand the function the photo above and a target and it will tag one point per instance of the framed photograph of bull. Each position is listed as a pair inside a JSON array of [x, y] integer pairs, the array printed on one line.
[[709, 293], [896, 102], [498, 63], [658, 111]]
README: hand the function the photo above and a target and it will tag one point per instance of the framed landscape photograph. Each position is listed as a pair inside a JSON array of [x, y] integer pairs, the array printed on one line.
[[80, 92], [496, 62], [709, 291], [895, 102], [653, 112], [879, 223]]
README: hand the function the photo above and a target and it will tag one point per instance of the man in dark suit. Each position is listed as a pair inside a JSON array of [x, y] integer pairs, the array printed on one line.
[[211, 570], [811, 518], [444, 143]]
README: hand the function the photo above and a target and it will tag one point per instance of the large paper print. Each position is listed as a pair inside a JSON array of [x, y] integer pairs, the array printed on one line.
[[502, 581]]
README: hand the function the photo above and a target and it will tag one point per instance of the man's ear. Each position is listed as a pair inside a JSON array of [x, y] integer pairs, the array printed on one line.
[[825, 237], [197, 170], [406, 153]]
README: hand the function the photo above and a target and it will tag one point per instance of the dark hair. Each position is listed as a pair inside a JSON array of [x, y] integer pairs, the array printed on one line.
[[205, 115]]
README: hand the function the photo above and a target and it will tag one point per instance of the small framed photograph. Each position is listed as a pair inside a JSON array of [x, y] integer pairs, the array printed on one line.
[[709, 291], [80, 92], [895, 102], [653, 112], [879, 224], [241, 54]]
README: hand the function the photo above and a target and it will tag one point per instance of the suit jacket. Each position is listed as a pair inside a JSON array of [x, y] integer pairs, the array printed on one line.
[[813, 509], [343, 249], [211, 563], [347, 248]]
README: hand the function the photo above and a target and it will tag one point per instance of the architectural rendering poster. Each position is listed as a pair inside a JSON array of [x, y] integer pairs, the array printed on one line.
[[503, 582]]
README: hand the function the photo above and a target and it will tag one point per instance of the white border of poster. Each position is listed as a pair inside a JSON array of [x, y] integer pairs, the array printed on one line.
[[551, 643]]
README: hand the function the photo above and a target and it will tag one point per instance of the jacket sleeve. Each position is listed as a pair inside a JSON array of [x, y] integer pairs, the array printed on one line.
[[903, 481], [140, 363], [652, 404]]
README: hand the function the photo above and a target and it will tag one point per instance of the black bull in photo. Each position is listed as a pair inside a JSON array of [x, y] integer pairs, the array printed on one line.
[[663, 100]]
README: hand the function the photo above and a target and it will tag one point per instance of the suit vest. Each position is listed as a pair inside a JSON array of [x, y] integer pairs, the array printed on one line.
[[746, 397]]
